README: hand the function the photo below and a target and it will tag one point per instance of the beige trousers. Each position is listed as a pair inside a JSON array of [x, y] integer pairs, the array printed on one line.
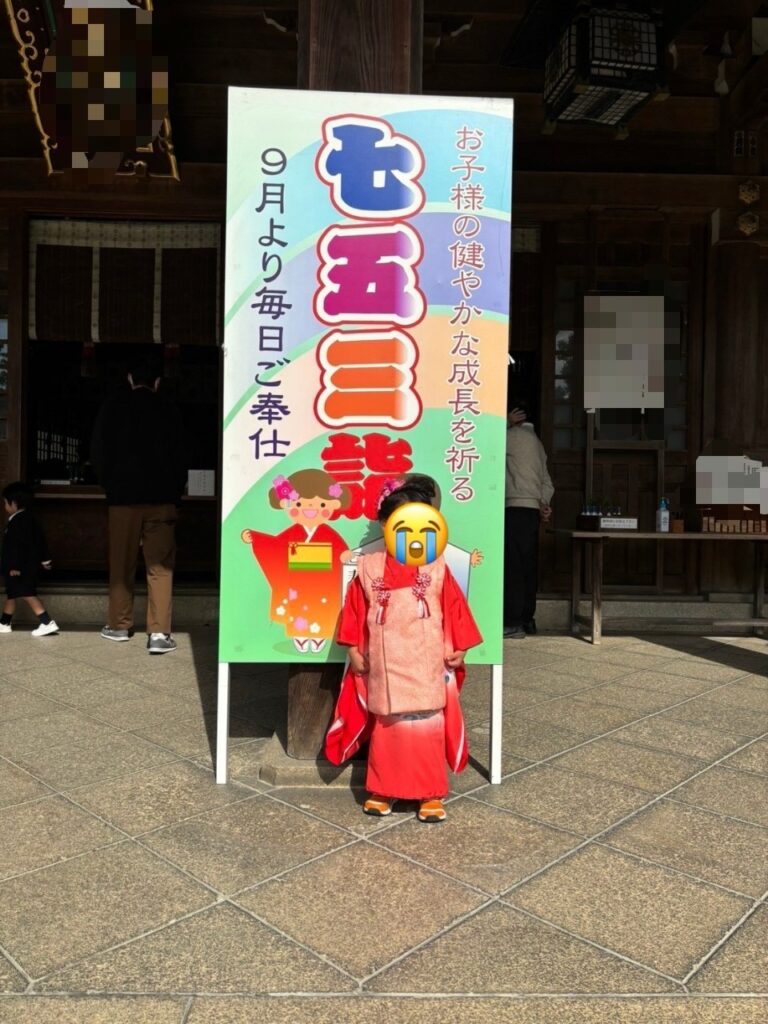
[[151, 527]]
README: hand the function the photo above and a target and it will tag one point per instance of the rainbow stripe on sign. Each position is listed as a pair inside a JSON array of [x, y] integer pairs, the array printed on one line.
[[306, 557]]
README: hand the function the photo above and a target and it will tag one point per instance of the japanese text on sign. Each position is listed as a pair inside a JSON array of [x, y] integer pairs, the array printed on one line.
[[467, 260], [270, 407]]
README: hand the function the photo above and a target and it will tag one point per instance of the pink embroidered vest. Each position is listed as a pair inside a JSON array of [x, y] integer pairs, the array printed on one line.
[[406, 650]]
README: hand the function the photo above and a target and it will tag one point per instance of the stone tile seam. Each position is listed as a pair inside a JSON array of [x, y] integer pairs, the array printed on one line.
[[609, 733], [67, 795], [430, 939], [176, 758], [593, 839], [712, 813], [603, 778], [16, 965], [265, 922], [353, 841], [373, 997], [62, 860], [666, 750], [660, 668], [540, 822], [645, 716], [709, 810], [247, 799], [186, 1010], [237, 893], [200, 708], [191, 876], [680, 871], [502, 899], [714, 764], [724, 938], [707, 725], [307, 812], [748, 771], [111, 778], [34, 799], [123, 944], [123, 840], [128, 838], [477, 889], [590, 942], [69, 705], [117, 730]]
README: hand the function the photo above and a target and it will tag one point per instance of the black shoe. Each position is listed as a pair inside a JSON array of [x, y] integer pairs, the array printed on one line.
[[514, 633], [530, 627]]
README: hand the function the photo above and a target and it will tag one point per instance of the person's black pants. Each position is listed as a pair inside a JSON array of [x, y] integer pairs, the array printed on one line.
[[521, 564]]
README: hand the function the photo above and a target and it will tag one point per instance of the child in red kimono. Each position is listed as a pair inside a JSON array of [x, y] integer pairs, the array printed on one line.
[[303, 564], [408, 628]]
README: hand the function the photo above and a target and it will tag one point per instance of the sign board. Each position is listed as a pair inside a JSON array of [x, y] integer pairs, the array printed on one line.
[[366, 336], [624, 351]]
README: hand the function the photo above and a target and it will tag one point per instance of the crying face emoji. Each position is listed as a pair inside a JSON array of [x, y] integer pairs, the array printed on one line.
[[415, 534]]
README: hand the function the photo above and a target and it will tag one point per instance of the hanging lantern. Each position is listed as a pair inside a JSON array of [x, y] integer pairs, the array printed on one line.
[[606, 64]]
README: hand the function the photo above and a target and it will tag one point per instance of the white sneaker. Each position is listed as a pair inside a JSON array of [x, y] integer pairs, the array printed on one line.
[[160, 643], [5, 627], [47, 629]]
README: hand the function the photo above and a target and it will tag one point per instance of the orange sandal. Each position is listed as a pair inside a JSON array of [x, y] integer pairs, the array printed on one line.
[[431, 811], [378, 806]]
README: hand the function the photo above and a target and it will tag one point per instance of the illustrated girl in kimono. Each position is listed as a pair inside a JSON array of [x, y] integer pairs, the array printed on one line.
[[407, 626], [303, 563]]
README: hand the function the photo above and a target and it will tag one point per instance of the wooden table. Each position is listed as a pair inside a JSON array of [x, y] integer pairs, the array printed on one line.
[[597, 540]]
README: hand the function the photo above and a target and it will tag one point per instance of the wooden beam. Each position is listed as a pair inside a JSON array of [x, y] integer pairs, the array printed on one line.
[[496, 10], [747, 100], [558, 190], [200, 195], [213, 64]]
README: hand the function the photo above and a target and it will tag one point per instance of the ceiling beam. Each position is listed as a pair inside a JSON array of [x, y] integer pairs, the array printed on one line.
[[23, 183]]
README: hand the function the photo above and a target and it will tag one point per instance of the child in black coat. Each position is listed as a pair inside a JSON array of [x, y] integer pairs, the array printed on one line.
[[24, 551]]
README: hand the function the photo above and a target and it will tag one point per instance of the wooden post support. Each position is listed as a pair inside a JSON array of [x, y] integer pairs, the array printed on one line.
[[354, 46], [312, 693]]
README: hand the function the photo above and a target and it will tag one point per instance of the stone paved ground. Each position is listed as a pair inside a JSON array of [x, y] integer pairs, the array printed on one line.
[[618, 874]]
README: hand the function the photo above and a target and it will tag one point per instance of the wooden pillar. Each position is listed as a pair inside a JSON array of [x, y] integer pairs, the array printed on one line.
[[17, 306], [741, 410], [361, 45], [349, 46]]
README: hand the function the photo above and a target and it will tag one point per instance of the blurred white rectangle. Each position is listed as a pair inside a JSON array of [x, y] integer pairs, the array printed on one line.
[[731, 480], [201, 483], [623, 351]]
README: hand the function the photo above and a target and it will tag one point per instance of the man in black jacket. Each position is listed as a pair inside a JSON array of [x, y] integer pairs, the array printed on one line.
[[137, 452]]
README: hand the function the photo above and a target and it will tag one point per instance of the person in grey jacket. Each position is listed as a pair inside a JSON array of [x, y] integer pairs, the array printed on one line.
[[528, 493]]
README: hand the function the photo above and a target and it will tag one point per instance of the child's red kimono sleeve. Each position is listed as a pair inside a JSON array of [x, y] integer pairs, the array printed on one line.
[[352, 724], [461, 633], [353, 623], [460, 627]]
